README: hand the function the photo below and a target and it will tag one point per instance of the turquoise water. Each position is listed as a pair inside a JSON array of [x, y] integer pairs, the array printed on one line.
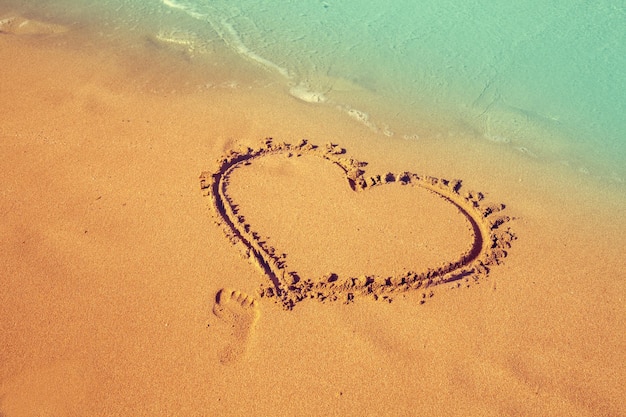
[[547, 79]]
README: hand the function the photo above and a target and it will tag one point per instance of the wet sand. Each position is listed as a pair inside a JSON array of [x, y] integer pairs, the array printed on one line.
[[126, 291]]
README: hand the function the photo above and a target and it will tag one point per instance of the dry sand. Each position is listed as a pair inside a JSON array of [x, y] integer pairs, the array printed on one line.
[[122, 296]]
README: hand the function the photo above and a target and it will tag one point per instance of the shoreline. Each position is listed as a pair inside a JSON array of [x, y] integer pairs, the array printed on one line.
[[204, 53], [114, 297]]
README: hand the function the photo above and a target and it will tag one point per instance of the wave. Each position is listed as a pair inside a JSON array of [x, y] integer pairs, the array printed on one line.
[[228, 34]]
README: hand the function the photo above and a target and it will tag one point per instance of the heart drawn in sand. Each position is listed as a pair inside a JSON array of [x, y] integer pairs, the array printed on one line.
[[461, 237]]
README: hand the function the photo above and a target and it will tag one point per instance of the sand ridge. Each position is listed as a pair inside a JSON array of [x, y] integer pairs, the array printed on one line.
[[490, 232]]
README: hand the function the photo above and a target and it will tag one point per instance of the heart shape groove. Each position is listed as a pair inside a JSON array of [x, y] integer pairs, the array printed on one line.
[[483, 243]]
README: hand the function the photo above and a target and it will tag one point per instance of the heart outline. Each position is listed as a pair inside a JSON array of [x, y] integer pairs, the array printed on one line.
[[489, 247]]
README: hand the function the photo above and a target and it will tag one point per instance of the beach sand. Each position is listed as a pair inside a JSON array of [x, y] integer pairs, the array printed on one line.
[[130, 288]]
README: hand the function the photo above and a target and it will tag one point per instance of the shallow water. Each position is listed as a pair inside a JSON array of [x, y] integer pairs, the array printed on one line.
[[545, 80]]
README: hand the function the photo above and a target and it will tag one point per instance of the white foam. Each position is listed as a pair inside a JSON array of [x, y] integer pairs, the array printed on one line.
[[228, 34], [193, 13], [359, 115], [414, 136], [386, 130], [304, 93], [178, 37], [241, 48]]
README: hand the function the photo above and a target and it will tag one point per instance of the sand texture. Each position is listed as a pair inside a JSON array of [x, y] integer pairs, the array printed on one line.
[[160, 257]]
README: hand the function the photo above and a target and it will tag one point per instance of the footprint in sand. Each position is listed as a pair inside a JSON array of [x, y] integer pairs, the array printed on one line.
[[239, 312]]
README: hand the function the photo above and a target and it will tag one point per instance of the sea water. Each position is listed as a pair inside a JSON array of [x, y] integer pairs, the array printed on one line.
[[547, 79]]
